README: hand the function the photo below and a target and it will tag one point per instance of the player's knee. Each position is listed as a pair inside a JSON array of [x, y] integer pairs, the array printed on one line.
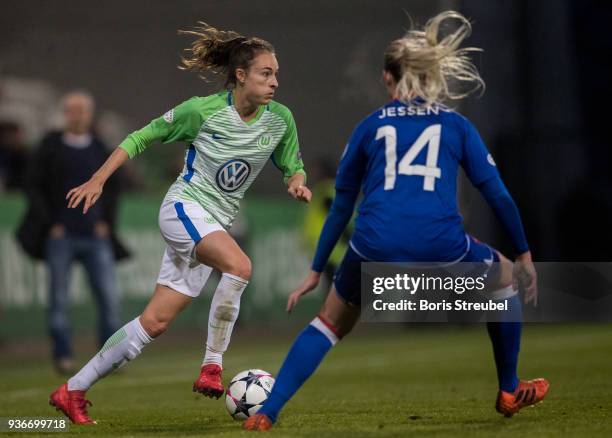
[[240, 267], [154, 326]]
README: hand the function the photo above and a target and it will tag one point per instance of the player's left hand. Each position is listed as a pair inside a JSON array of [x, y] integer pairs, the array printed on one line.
[[301, 193], [311, 282], [89, 192], [297, 189], [525, 275]]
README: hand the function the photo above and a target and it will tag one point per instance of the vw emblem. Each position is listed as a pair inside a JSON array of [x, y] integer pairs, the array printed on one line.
[[232, 175]]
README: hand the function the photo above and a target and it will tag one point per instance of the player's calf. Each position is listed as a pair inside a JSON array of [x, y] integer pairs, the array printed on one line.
[[154, 326], [223, 314], [123, 346]]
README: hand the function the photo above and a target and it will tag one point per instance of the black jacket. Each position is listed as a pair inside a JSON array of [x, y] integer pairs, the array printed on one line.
[[44, 189]]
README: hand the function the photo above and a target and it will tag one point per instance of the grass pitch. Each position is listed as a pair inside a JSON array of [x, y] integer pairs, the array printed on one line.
[[380, 381]]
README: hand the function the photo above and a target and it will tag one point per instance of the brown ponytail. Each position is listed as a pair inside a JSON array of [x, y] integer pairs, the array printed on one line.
[[221, 52]]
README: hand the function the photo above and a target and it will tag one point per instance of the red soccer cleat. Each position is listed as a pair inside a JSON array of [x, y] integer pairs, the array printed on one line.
[[209, 383], [257, 422], [72, 404], [526, 394]]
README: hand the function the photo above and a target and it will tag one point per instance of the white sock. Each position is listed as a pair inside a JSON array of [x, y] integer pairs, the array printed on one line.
[[123, 346], [223, 314]]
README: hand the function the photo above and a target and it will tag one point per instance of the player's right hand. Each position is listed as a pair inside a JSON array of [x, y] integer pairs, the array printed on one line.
[[89, 191], [525, 275], [310, 283]]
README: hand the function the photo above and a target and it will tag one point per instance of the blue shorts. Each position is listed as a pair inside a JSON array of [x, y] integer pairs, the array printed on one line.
[[347, 279]]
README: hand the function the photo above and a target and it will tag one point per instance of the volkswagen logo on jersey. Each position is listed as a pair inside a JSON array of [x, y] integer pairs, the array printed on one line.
[[232, 175]]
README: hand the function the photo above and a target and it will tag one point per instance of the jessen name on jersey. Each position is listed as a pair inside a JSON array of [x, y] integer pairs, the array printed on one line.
[[402, 111]]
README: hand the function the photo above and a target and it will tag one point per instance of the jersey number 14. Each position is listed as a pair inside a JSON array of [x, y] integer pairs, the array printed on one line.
[[430, 171]]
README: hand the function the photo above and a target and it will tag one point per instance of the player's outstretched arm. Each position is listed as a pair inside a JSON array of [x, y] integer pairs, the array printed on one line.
[[310, 283], [338, 217], [297, 189], [497, 196], [90, 191]]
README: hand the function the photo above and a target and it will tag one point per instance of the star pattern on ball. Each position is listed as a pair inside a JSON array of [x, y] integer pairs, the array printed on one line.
[[253, 378], [243, 406], [249, 379]]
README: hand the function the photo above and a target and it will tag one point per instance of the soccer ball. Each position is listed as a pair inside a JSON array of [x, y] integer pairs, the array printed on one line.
[[247, 392]]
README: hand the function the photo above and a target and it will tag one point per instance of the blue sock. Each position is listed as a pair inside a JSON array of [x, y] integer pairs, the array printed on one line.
[[305, 355], [505, 334]]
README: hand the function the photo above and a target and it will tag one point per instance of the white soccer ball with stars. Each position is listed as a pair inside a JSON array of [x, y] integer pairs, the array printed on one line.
[[247, 392]]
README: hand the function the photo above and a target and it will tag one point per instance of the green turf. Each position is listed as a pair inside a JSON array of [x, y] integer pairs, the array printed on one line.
[[387, 382]]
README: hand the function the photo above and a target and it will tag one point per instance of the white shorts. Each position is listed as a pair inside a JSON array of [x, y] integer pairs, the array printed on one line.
[[183, 224]]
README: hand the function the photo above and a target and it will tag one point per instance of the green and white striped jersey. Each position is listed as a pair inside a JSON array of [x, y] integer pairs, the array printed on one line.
[[224, 154]]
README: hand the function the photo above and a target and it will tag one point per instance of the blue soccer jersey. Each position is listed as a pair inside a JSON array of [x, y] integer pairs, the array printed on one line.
[[405, 159]]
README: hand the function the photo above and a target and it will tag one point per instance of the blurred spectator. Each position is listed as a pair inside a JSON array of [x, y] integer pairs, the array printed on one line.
[[13, 156], [58, 235]]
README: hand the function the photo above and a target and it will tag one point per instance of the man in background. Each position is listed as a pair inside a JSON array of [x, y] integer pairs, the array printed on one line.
[[58, 235]]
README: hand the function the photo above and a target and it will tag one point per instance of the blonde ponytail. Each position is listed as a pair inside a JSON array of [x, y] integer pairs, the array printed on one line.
[[434, 69]]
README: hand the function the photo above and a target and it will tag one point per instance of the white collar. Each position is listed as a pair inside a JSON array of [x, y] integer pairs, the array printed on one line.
[[78, 141]]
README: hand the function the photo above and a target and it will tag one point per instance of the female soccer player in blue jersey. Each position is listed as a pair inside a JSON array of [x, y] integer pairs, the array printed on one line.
[[229, 136], [404, 157]]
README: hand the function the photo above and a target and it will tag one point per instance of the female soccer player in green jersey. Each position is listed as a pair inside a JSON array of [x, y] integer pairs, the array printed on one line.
[[230, 136]]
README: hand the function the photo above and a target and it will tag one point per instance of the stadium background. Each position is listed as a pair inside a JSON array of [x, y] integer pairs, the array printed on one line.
[[545, 63]]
